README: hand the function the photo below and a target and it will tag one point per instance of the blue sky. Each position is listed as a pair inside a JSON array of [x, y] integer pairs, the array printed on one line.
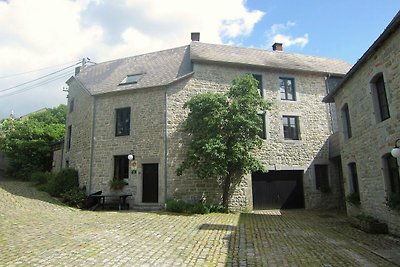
[[54, 34]]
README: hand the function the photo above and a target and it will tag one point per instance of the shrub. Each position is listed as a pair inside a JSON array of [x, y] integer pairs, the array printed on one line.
[[180, 206], [353, 198], [199, 208], [40, 178], [63, 181], [218, 209], [177, 205], [393, 201], [74, 196]]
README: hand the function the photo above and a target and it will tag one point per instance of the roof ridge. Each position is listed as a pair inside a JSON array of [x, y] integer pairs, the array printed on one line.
[[271, 52], [143, 54]]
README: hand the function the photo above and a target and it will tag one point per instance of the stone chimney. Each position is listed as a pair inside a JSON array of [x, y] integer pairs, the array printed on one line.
[[277, 47], [195, 36]]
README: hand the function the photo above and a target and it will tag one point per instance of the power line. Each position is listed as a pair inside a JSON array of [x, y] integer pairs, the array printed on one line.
[[63, 75], [42, 77], [31, 71]]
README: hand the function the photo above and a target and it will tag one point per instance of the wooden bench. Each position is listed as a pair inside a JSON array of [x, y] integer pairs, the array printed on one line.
[[121, 199]]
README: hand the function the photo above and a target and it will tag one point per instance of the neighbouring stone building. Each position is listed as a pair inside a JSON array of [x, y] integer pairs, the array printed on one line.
[[134, 106], [368, 104]]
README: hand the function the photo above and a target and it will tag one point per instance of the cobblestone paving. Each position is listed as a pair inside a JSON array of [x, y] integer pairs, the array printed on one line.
[[35, 230]]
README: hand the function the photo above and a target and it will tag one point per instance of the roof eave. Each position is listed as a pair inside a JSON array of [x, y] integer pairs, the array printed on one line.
[[146, 87]]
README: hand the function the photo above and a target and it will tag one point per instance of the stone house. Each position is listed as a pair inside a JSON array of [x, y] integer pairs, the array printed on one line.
[[368, 101], [134, 106]]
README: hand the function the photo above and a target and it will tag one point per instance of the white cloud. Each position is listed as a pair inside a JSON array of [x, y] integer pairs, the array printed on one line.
[[276, 34], [288, 40], [35, 34]]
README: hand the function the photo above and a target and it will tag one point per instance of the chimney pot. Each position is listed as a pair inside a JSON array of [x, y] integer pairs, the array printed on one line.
[[195, 36], [277, 47]]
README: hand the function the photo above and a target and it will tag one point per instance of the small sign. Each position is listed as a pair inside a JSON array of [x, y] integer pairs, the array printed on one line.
[[133, 167]]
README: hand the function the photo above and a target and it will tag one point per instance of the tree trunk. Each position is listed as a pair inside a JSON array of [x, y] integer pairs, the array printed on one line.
[[226, 191]]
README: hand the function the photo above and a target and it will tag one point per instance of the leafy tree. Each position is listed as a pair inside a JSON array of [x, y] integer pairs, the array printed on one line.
[[224, 130], [27, 141]]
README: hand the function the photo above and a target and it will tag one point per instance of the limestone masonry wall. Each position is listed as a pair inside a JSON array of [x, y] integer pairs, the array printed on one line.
[[371, 139], [276, 153]]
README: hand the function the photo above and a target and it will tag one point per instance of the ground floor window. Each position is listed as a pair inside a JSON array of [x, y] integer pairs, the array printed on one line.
[[353, 178], [393, 176], [121, 167], [321, 177]]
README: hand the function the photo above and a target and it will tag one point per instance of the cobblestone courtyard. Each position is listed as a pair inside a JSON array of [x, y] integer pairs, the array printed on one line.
[[35, 230]]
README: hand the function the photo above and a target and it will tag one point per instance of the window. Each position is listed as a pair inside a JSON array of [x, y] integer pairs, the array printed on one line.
[[286, 87], [131, 79], [392, 173], [69, 135], [381, 99], [123, 122], [258, 77], [321, 177], [346, 121], [291, 127], [353, 178], [121, 167], [71, 105], [263, 132]]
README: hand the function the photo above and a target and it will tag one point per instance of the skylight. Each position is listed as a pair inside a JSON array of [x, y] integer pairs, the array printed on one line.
[[131, 79]]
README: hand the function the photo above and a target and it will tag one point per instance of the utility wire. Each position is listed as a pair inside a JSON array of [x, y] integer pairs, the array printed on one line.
[[55, 78], [31, 71], [42, 77]]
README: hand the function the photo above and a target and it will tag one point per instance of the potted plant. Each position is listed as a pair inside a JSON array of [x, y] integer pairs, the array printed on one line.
[[116, 184]]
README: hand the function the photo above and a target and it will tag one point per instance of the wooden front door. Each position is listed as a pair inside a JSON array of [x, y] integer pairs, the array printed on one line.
[[150, 183]]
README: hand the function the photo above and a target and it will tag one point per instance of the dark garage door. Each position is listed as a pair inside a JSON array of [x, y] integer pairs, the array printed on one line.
[[278, 190]]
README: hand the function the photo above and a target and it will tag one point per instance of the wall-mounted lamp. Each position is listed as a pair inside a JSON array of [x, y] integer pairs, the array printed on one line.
[[396, 150], [130, 156]]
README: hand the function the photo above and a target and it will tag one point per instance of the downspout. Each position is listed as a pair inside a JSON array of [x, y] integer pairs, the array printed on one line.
[[165, 144], [92, 145]]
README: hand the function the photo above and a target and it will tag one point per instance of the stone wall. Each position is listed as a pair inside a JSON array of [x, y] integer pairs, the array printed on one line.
[[80, 119], [146, 139], [276, 153], [371, 139]]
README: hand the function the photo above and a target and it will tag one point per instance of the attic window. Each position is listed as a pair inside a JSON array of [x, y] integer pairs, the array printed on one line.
[[131, 79]]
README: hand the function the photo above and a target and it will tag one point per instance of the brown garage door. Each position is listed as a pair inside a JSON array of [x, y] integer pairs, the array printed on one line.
[[278, 190]]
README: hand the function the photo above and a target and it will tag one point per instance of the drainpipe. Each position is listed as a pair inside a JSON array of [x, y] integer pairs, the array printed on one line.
[[92, 145], [165, 144]]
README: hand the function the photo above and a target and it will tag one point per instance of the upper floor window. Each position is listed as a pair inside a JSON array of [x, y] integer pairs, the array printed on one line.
[[69, 137], [258, 77], [286, 87], [263, 132], [381, 102], [291, 127], [346, 121], [123, 121], [71, 105], [392, 173]]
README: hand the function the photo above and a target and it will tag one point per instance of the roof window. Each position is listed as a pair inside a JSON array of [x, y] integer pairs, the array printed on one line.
[[131, 79]]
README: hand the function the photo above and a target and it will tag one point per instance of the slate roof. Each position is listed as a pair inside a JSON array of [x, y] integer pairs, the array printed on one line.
[[270, 59], [164, 67], [158, 68]]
